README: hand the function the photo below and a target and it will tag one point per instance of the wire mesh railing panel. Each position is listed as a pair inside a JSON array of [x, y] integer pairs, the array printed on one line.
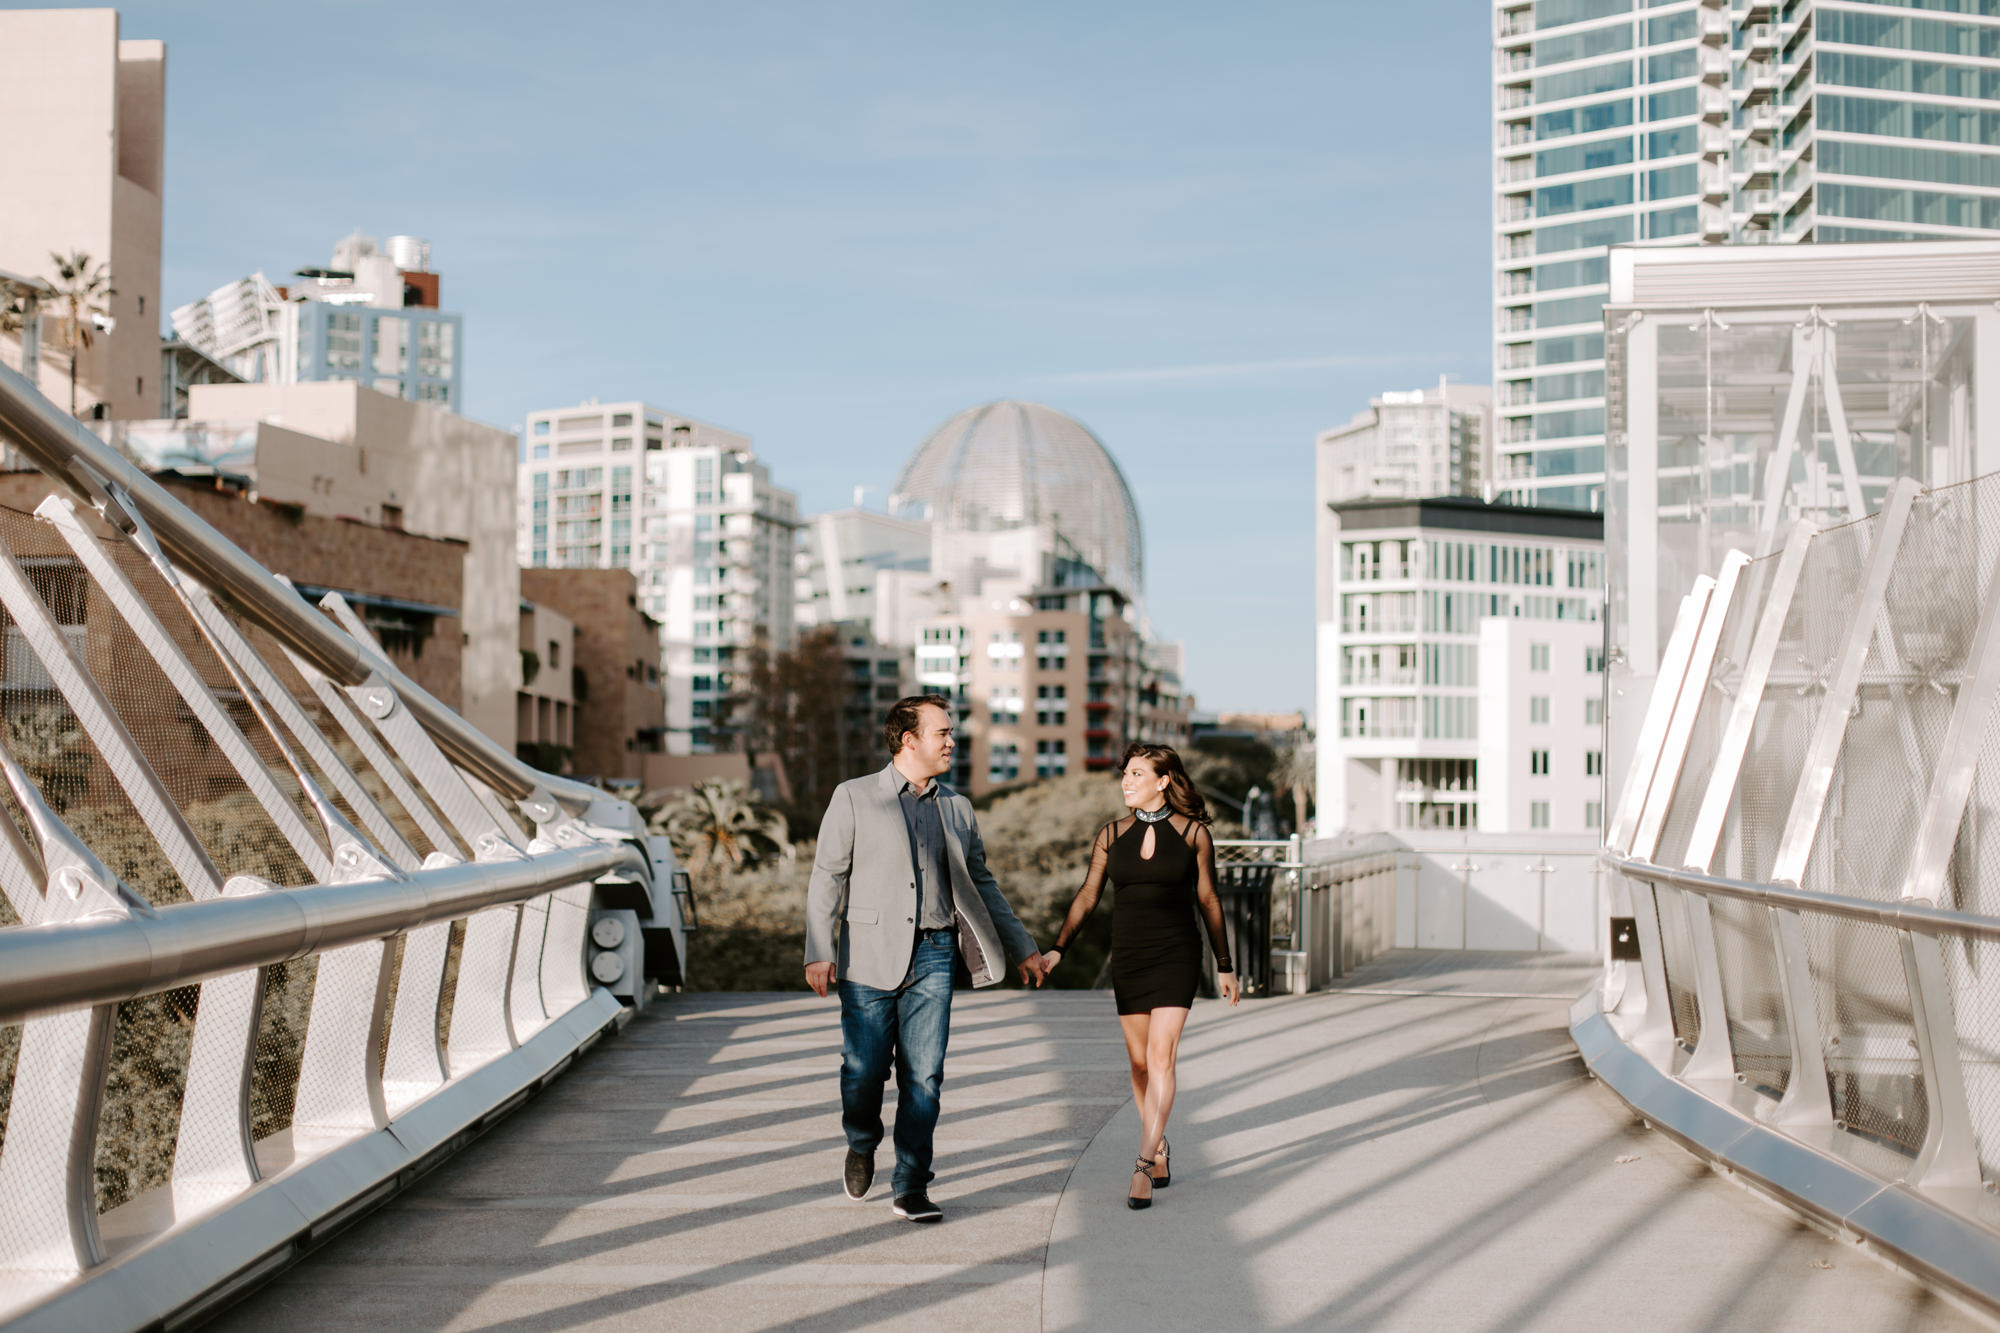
[[1717, 703], [1973, 970], [140, 1117], [10, 1054], [1752, 995], [1971, 881], [1917, 655], [281, 1040], [232, 825], [1677, 956], [1862, 997]]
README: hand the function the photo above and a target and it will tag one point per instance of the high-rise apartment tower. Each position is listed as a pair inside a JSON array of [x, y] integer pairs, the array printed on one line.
[[688, 508], [1708, 122]]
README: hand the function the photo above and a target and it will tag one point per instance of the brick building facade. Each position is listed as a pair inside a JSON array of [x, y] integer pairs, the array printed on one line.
[[620, 712]]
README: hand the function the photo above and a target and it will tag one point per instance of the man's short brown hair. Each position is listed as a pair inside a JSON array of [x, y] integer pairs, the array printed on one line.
[[906, 715]]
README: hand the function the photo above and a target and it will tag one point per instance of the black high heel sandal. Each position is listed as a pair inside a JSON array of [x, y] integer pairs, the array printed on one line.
[[1166, 1176], [1142, 1167]]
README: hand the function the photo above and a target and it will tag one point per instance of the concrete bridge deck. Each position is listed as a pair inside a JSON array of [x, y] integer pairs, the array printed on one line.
[[1421, 1150]]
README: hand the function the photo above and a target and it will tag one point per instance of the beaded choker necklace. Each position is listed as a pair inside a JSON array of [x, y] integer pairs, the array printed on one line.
[[1154, 816]]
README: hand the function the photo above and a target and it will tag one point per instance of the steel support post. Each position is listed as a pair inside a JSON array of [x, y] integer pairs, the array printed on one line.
[[107, 731], [1659, 714], [230, 644], [48, 1160], [1949, 1157], [1742, 722], [1688, 701], [1837, 705], [1807, 1099], [61, 514], [1713, 1058]]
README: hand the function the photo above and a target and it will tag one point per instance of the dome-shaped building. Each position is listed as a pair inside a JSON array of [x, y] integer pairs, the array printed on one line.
[[1016, 465]]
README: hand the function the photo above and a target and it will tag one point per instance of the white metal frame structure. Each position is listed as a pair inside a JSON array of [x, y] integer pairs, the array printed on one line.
[[229, 1029], [1815, 887]]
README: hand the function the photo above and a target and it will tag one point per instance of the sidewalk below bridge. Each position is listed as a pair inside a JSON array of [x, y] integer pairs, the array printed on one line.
[[1420, 1149]]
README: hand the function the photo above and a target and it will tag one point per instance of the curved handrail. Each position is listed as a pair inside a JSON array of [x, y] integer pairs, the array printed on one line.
[[48, 969], [1905, 914]]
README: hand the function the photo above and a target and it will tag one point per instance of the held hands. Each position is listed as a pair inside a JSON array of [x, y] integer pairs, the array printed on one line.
[[819, 976], [1231, 990], [1033, 968]]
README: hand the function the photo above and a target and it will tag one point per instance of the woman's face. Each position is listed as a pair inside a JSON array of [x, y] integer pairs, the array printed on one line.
[[1142, 783]]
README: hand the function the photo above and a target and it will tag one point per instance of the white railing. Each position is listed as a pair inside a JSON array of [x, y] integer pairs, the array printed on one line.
[[1814, 883], [278, 930]]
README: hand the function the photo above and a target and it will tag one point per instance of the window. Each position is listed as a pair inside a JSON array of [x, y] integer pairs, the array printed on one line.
[[1538, 763], [1050, 759], [1538, 814], [1051, 649], [1593, 763], [1538, 657], [1003, 761], [1593, 712], [1593, 814], [1051, 705], [1538, 710], [1593, 658]]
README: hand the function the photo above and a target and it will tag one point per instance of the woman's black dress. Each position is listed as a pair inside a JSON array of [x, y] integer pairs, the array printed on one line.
[[1155, 951]]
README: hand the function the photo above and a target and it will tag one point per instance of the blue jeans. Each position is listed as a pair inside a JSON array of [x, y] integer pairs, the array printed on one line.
[[911, 1024]]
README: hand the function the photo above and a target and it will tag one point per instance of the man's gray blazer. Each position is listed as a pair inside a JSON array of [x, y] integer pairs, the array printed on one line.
[[861, 907]]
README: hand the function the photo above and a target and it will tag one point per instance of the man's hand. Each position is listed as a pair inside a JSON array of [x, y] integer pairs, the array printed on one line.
[[1032, 969], [819, 976], [1231, 989]]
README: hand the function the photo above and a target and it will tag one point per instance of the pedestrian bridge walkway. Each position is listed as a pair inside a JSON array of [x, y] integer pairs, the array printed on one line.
[[1420, 1149]]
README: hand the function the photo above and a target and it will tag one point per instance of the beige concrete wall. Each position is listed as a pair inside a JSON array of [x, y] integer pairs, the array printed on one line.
[[325, 476], [81, 157], [452, 476]]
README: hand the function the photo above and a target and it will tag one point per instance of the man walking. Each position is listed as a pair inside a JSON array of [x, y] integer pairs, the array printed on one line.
[[900, 890]]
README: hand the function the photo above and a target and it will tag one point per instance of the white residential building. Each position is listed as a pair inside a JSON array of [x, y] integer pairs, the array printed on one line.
[[1541, 726], [1405, 591], [692, 512], [1410, 444]]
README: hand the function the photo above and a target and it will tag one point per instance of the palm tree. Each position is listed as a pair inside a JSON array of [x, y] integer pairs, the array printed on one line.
[[1297, 772], [82, 298], [719, 822]]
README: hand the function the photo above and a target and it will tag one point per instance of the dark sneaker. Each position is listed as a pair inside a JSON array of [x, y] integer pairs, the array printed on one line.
[[858, 1175], [916, 1207]]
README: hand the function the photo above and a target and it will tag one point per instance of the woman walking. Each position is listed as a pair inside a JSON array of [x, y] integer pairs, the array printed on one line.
[[1161, 859]]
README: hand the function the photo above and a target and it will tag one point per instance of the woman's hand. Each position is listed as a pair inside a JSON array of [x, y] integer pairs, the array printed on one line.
[[1231, 991], [1050, 957]]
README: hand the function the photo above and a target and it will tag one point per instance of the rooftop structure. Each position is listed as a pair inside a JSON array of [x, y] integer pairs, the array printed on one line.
[[371, 316], [1011, 466]]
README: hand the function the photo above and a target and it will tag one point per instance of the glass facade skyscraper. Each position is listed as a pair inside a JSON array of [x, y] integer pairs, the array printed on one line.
[[1708, 122]]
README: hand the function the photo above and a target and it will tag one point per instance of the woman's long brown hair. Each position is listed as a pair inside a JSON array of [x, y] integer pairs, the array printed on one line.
[[1182, 798]]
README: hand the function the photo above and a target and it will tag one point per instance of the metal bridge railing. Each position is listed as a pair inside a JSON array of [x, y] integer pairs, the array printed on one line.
[[1807, 840], [278, 930], [1301, 914]]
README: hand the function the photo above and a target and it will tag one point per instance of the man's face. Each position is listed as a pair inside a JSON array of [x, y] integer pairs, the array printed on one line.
[[928, 749]]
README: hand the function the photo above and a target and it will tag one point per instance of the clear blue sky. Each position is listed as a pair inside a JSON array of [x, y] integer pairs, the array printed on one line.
[[1205, 230]]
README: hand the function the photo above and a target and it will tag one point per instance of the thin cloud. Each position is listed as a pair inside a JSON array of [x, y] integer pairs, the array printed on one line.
[[1230, 369]]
